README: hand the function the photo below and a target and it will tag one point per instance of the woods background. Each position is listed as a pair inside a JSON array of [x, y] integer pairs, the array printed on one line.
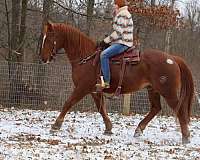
[[21, 24]]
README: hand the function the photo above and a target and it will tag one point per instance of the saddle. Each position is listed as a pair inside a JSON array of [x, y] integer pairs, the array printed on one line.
[[130, 56]]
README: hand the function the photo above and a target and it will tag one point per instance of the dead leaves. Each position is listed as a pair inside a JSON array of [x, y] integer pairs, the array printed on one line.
[[30, 138], [161, 16], [109, 157], [53, 142]]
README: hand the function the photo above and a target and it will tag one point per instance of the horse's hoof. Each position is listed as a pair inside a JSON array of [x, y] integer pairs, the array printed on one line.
[[108, 133], [56, 126], [53, 131], [185, 140], [138, 132]]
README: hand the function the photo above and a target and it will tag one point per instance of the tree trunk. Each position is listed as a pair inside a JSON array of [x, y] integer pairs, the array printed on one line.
[[153, 3], [169, 33], [90, 9], [108, 8], [15, 29], [70, 17], [22, 30], [47, 7], [8, 28]]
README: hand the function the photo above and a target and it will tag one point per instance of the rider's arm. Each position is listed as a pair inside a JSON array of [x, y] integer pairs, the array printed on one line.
[[121, 25]]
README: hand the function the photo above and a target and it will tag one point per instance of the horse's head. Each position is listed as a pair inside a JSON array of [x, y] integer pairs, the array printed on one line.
[[50, 43], [57, 36]]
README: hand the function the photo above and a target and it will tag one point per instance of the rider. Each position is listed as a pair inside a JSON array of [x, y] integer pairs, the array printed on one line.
[[121, 39]]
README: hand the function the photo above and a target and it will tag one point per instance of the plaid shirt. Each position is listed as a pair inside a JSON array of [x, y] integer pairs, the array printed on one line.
[[123, 28]]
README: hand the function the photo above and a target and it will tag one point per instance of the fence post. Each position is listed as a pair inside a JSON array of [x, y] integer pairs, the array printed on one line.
[[126, 104]]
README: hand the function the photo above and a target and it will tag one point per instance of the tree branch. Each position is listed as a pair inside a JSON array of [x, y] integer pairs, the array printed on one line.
[[84, 15]]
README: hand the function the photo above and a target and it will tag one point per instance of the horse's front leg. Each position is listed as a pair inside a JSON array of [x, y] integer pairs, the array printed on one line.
[[99, 101], [75, 97]]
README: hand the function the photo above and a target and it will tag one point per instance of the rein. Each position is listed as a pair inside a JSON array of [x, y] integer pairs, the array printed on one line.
[[86, 59], [83, 60]]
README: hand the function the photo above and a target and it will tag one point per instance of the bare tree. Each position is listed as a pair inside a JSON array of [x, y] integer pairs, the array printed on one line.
[[108, 8], [90, 9], [8, 26], [169, 32], [70, 17], [15, 30], [47, 7], [22, 30], [153, 2], [193, 13]]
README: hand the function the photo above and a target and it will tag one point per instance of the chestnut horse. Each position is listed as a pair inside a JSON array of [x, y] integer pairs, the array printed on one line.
[[161, 73]]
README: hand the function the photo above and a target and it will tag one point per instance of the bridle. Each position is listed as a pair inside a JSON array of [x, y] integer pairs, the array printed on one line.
[[53, 50]]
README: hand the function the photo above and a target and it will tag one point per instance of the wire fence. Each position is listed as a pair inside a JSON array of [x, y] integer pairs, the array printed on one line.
[[46, 87]]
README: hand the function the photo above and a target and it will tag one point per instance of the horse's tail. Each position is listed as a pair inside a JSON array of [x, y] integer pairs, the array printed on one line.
[[187, 89]]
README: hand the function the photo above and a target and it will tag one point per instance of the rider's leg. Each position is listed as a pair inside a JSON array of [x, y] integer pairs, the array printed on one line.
[[111, 51]]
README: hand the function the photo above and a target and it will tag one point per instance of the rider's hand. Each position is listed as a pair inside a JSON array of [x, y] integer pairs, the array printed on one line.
[[102, 45]]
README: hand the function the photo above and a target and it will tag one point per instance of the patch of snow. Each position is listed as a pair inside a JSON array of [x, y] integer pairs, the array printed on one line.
[[24, 134]]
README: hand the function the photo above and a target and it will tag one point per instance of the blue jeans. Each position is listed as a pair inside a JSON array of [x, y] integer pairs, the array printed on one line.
[[111, 51]]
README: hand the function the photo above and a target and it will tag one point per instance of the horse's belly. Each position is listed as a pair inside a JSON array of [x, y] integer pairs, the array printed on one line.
[[134, 77]]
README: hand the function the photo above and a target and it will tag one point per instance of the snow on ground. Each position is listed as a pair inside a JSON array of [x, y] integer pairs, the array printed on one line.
[[24, 135]]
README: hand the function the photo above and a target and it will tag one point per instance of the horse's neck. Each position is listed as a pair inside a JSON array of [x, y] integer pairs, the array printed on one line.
[[78, 46], [75, 54]]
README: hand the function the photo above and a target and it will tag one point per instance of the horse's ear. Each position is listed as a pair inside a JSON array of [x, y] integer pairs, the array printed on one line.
[[48, 27]]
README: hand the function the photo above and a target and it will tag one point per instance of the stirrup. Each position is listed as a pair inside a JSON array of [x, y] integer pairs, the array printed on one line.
[[101, 86], [106, 85]]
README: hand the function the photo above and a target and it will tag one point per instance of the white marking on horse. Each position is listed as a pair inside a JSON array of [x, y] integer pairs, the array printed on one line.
[[169, 61], [45, 36]]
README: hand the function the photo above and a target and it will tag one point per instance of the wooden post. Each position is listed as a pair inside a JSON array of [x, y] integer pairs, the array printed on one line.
[[126, 104]]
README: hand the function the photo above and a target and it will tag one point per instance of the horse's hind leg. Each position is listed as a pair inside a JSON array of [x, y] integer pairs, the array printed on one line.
[[99, 101], [155, 107], [184, 126], [180, 113], [76, 96]]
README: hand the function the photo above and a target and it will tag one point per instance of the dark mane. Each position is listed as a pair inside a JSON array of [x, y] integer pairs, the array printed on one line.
[[75, 38]]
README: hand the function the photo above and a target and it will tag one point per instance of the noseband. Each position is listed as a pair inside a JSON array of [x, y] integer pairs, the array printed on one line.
[[53, 51]]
